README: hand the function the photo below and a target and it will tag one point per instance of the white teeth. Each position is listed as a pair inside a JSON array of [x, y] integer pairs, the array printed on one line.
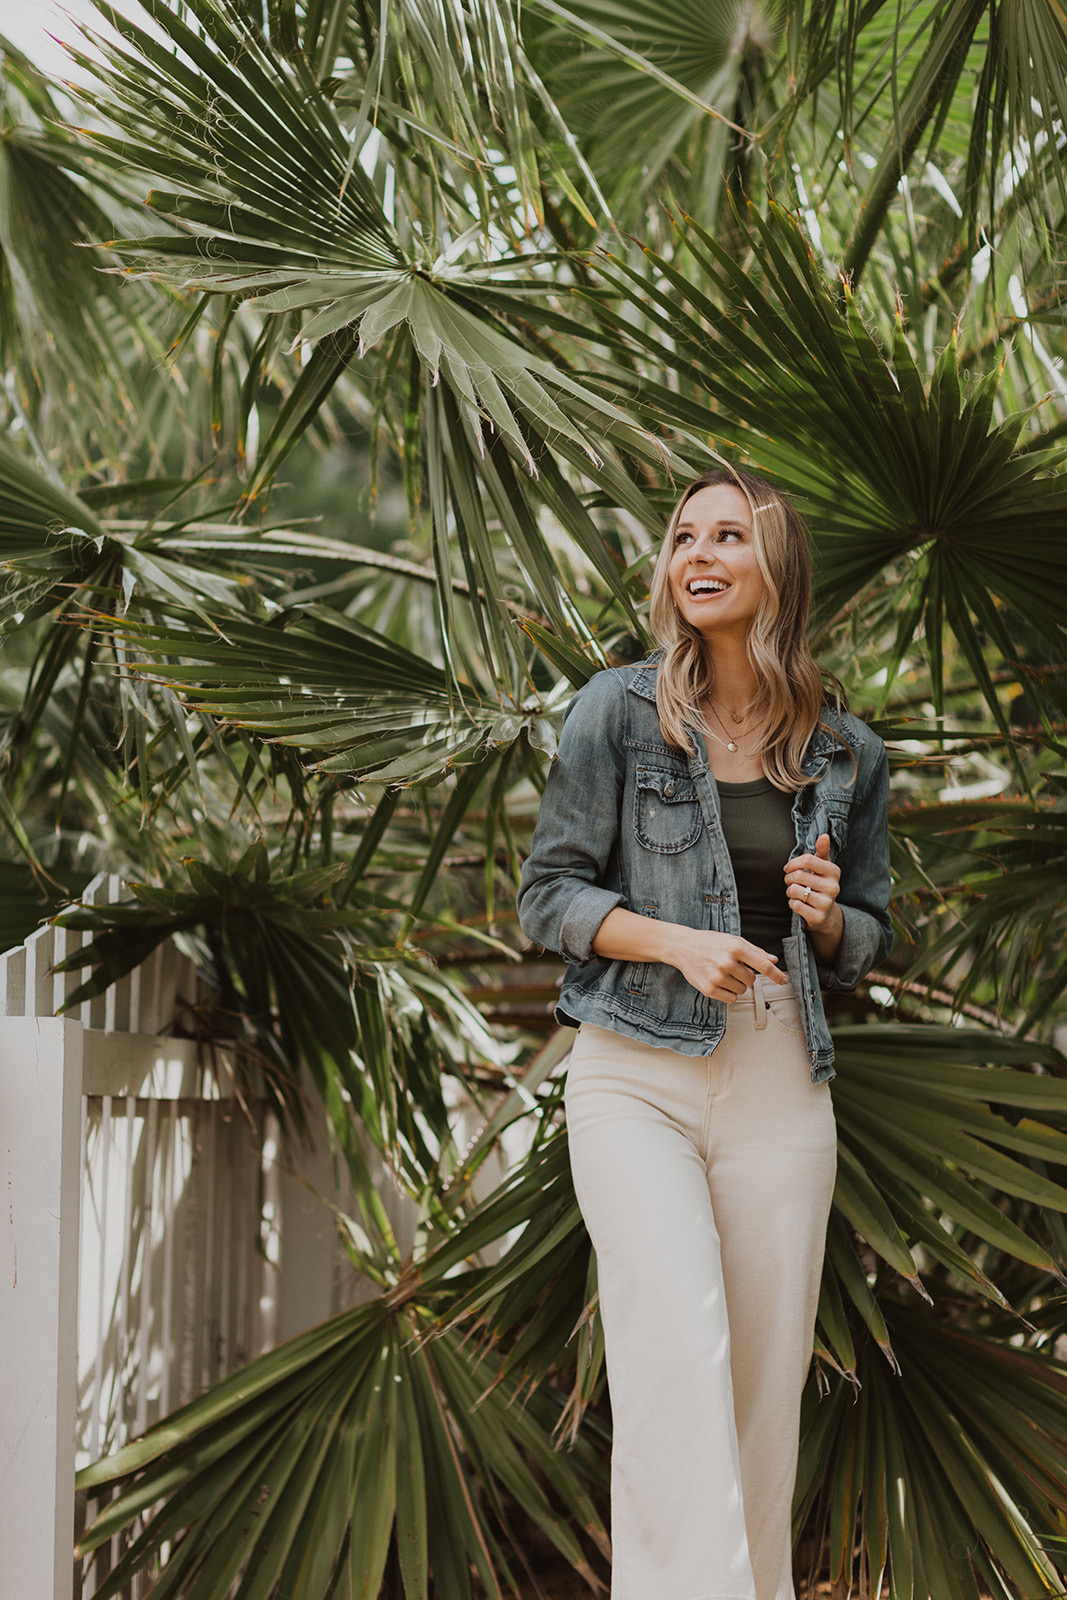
[[707, 586]]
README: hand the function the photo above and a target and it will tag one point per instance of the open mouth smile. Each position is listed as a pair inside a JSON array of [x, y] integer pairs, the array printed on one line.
[[699, 586]]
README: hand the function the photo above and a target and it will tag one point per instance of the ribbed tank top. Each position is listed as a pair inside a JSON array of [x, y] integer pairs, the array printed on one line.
[[757, 823]]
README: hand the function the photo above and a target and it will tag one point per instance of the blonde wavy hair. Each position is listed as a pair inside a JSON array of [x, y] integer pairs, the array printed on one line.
[[792, 687]]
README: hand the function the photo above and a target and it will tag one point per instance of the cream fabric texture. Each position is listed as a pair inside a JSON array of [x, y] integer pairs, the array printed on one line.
[[705, 1184]]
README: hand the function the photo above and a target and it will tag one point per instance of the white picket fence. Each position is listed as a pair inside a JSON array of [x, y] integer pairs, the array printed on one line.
[[147, 1216]]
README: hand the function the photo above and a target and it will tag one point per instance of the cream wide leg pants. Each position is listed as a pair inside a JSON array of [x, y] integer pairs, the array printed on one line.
[[705, 1183]]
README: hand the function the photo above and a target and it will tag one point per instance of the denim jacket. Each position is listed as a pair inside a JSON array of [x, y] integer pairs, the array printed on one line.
[[627, 820]]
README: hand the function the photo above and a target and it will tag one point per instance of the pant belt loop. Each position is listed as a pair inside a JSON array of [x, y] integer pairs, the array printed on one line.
[[759, 1003]]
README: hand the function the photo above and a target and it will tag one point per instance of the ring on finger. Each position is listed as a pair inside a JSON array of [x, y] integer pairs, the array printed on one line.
[[807, 893]]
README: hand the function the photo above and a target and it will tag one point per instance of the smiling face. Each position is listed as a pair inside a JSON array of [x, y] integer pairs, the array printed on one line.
[[714, 575]]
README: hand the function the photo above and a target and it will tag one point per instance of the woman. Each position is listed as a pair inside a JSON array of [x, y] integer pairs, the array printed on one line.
[[710, 852]]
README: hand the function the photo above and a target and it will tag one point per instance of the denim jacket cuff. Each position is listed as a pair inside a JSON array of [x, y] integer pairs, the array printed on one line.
[[581, 922], [861, 942]]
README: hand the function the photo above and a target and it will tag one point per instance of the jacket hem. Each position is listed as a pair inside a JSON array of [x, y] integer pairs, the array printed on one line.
[[577, 1007]]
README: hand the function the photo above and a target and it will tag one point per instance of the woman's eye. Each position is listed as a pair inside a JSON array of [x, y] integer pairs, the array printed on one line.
[[682, 538], [731, 533]]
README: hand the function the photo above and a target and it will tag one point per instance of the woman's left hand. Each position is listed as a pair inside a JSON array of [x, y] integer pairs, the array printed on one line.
[[812, 885]]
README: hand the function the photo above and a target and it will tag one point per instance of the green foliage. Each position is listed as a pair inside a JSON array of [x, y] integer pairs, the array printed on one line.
[[522, 271], [968, 1438], [923, 480], [351, 1451]]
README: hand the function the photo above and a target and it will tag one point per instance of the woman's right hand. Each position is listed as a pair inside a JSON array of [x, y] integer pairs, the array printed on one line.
[[721, 965]]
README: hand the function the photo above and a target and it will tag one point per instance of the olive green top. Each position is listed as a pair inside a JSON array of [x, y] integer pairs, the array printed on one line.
[[757, 823]]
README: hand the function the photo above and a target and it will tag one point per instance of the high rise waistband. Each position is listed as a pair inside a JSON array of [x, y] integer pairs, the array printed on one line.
[[756, 1000]]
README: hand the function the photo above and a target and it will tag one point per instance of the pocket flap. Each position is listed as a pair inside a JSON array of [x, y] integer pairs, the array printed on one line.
[[667, 815], [673, 788]]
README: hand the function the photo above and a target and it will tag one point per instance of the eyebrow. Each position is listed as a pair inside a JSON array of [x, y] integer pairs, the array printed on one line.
[[723, 522]]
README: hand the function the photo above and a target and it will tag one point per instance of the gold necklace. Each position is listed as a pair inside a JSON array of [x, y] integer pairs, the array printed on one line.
[[731, 744], [727, 745]]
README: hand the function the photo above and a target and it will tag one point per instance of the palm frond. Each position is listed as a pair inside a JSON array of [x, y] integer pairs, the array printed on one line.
[[374, 1432], [996, 873], [897, 473], [65, 327], [359, 704], [300, 980], [945, 1479]]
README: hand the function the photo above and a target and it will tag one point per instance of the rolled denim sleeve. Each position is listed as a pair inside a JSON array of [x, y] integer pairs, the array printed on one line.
[[865, 883], [569, 881]]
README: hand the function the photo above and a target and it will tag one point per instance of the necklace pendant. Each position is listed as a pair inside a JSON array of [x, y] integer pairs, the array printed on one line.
[[731, 745], [735, 718]]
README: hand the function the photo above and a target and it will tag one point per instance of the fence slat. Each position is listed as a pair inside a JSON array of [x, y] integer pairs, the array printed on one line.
[[40, 1097], [104, 1169], [39, 947], [13, 983], [146, 1268]]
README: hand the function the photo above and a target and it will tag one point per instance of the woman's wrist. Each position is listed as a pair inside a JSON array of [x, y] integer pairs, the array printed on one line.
[[826, 941], [627, 936]]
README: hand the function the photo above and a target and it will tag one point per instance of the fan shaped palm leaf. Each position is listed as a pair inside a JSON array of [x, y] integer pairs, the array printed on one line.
[[920, 478]]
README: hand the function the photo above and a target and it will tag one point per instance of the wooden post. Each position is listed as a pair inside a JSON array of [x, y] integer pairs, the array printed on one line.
[[40, 1170]]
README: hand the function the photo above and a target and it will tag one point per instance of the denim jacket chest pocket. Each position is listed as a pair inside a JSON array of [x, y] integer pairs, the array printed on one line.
[[667, 815], [826, 813], [831, 815], [827, 806]]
